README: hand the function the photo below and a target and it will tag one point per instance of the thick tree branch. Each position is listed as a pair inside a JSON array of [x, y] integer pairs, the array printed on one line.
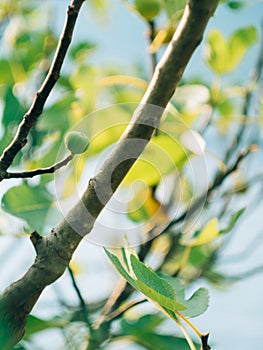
[[151, 35], [55, 251], [40, 171], [31, 117]]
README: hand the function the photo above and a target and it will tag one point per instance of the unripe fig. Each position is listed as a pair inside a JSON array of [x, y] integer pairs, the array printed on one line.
[[76, 142], [149, 9]]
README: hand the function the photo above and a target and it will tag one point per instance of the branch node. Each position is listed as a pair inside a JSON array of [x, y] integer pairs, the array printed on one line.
[[204, 340], [36, 240]]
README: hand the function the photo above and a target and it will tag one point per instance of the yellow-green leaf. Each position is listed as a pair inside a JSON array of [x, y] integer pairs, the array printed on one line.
[[209, 233], [161, 156]]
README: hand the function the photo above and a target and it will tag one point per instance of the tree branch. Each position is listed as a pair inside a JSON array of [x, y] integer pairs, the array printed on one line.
[[55, 250], [40, 171], [81, 299], [220, 178], [151, 35], [31, 117]]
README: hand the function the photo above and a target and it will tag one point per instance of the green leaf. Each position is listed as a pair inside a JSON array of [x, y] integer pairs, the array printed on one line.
[[150, 278], [28, 203], [153, 286], [224, 56], [116, 262], [233, 221], [148, 283], [196, 305]]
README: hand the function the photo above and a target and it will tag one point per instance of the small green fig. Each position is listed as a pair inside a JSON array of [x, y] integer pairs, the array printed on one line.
[[76, 142], [149, 9]]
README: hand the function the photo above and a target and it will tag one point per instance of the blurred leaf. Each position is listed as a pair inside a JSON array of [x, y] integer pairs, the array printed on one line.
[[161, 156], [163, 36], [123, 80], [104, 127], [153, 341], [28, 203], [35, 324], [224, 56], [172, 7], [143, 331], [146, 323], [6, 76], [149, 9], [19, 347], [80, 50], [144, 206], [56, 117], [235, 5], [12, 115], [207, 234], [83, 81], [99, 5]]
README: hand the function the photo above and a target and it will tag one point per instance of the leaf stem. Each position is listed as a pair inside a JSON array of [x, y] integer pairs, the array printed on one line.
[[190, 324], [186, 335]]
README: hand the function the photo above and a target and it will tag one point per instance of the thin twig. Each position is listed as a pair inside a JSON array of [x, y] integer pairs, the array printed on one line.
[[40, 171], [31, 117], [81, 299], [186, 335], [122, 309], [220, 178]]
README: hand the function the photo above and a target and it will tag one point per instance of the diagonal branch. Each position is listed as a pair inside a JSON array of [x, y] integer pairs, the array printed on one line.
[[55, 250], [220, 178], [31, 117]]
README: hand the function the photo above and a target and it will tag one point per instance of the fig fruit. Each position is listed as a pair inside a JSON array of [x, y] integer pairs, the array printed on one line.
[[76, 142]]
